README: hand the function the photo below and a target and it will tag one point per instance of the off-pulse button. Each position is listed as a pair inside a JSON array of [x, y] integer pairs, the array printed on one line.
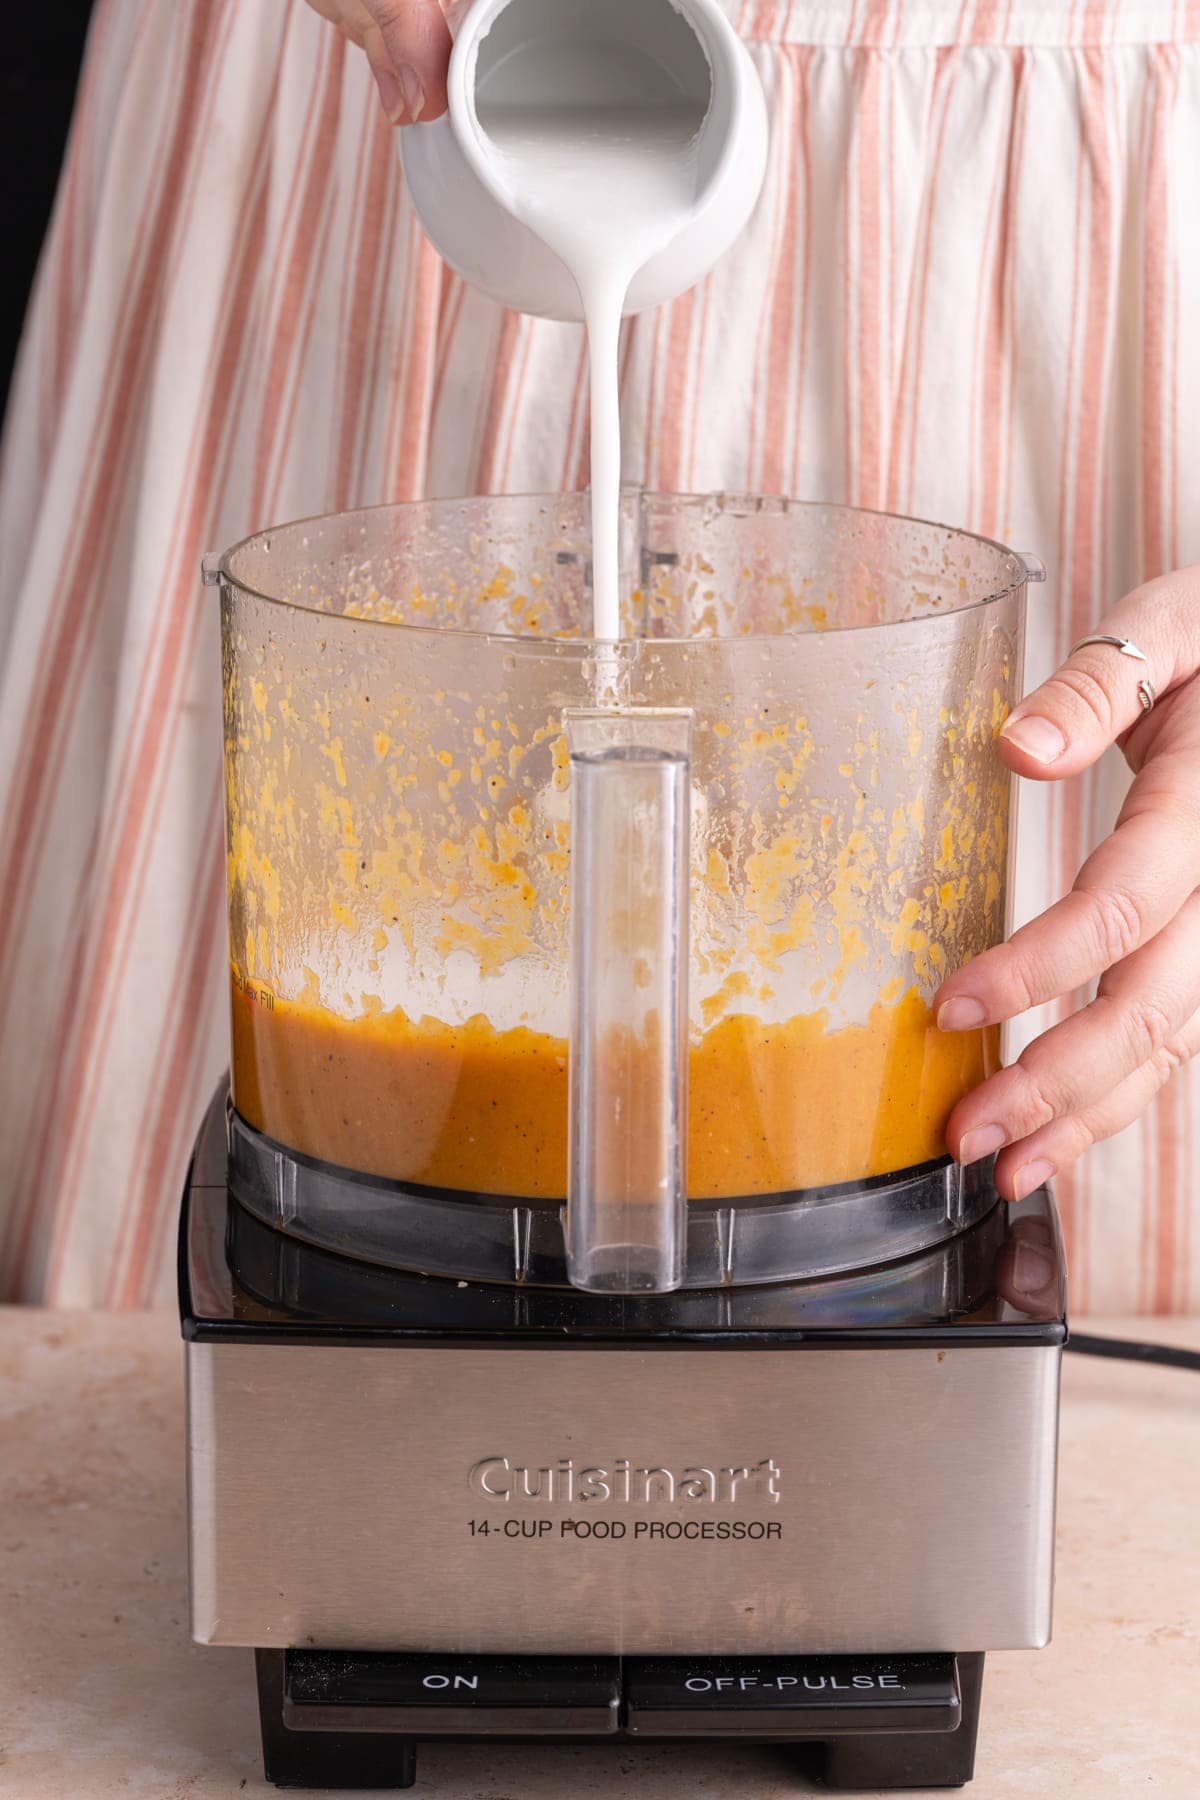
[[785, 1697], [437, 1696]]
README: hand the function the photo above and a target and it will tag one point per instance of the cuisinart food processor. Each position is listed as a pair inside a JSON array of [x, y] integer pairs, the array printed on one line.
[[588, 1335]]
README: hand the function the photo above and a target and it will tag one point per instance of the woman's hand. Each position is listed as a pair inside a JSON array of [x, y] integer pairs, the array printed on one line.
[[1132, 918], [408, 47]]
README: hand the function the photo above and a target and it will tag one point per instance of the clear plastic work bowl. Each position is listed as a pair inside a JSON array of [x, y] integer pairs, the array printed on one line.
[[649, 929]]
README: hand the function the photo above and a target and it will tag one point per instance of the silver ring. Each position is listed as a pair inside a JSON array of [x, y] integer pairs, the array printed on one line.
[[1146, 690]]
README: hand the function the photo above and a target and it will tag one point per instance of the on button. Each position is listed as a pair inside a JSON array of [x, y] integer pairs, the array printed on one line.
[[438, 1696]]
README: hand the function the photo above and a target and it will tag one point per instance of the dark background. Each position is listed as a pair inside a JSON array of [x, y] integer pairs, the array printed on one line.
[[41, 45]]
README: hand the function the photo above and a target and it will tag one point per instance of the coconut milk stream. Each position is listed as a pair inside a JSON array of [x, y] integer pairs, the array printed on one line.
[[605, 188]]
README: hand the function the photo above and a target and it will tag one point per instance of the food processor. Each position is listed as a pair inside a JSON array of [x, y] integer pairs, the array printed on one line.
[[588, 1334]]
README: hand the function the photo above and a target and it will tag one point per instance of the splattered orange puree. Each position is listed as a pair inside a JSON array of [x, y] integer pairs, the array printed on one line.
[[771, 1107]]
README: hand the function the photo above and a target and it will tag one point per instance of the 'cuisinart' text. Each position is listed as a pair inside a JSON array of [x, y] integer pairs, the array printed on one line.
[[623, 1482]]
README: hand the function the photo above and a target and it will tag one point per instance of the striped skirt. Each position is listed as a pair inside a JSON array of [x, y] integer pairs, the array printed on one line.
[[965, 294]]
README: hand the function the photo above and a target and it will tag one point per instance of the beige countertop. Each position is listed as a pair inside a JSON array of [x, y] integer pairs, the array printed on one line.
[[102, 1694]]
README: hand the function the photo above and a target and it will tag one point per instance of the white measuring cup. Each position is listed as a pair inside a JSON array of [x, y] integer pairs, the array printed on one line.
[[581, 56]]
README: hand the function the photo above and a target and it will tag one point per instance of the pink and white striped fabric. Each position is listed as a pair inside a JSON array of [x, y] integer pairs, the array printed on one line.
[[970, 292]]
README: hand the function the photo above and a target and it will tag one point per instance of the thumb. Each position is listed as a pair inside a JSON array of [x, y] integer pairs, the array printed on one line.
[[409, 50], [1107, 684]]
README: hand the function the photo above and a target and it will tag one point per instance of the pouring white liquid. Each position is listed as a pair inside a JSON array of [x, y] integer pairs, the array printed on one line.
[[605, 187]]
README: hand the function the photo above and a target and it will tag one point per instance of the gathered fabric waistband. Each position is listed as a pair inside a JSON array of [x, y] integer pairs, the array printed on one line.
[[933, 24]]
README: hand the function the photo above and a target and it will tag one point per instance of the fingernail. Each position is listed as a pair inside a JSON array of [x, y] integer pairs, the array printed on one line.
[[961, 1014], [1037, 737], [1033, 1269], [389, 93], [414, 93], [1031, 1175], [981, 1142]]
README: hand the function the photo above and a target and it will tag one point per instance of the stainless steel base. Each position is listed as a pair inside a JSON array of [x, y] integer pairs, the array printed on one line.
[[382, 1461], [640, 1501]]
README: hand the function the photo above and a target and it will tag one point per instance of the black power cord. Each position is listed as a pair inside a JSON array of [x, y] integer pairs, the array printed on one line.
[[1131, 1350]]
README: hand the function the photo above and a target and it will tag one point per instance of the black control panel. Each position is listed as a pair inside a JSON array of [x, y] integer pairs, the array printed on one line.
[[560, 1696], [354, 1719]]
